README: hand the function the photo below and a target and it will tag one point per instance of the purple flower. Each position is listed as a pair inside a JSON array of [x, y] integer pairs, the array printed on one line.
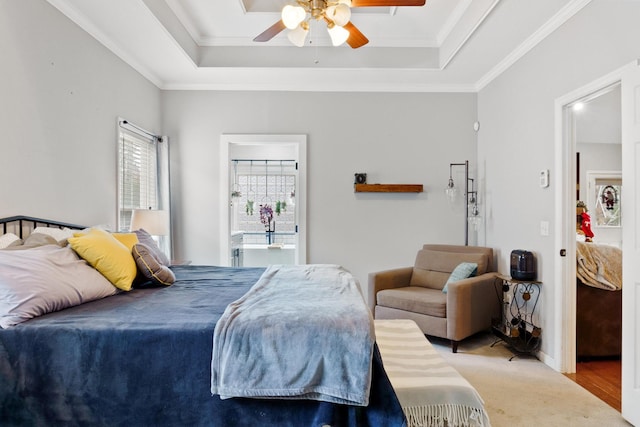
[[266, 215]]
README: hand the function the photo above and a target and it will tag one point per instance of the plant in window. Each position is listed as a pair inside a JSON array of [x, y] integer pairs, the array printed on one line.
[[248, 207], [281, 206], [235, 191]]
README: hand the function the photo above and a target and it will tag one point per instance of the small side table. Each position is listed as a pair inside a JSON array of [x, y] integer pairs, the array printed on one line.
[[516, 327], [175, 262]]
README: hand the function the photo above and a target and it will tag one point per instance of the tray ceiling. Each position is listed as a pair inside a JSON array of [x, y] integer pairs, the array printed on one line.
[[446, 45]]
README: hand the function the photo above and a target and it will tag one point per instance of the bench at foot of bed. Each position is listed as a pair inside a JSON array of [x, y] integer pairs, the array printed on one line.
[[430, 390]]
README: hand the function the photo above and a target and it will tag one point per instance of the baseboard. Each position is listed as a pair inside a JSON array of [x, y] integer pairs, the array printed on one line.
[[548, 360]]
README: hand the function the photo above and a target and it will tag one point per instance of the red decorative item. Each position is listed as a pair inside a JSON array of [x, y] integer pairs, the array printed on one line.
[[586, 226]]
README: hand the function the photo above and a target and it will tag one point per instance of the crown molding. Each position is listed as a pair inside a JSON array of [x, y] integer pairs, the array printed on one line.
[[532, 41], [80, 19], [194, 77]]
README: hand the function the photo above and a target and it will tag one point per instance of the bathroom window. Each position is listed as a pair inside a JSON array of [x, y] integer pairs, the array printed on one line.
[[263, 200]]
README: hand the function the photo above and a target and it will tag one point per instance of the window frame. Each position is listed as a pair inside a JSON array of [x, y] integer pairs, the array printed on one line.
[[145, 145]]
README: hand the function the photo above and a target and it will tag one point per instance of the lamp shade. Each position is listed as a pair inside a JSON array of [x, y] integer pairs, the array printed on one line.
[[340, 14], [292, 16], [154, 222], [298, 36], [338, 34]]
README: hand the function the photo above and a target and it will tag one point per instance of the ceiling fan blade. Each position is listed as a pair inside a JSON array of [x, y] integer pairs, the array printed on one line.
[[374, 3], [356, 38], [270, 32]]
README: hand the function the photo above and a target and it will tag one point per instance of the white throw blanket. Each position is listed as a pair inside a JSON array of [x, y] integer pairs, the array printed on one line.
[[599, 265], [301, 332], [432, 393]]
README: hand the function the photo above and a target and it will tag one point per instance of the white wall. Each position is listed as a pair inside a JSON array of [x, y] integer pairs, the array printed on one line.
[[394, 138], [60, 94], [516, 140]]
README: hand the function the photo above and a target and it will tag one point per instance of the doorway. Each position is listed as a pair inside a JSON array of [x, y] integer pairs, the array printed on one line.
[[628, 77], [595, 123], [263, 180], [566, 186]]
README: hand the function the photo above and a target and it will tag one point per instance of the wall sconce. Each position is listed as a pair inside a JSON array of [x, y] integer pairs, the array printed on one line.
[[472, 212], [451, 191]]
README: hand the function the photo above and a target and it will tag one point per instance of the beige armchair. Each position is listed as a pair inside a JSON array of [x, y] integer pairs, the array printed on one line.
[[416, 293]]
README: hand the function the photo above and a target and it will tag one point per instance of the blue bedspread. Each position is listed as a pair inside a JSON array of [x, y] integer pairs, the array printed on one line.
[[143, 358]]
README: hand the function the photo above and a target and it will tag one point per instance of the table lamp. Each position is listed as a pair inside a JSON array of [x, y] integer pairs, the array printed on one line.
[[154, 222]]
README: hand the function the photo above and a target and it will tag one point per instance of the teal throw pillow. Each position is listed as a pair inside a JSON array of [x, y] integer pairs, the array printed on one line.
[[462, 271]]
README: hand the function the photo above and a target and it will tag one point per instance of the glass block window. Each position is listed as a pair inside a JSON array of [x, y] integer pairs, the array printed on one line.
[[259, 184]]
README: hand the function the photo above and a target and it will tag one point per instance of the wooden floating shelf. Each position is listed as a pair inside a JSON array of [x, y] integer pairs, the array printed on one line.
[[388, 188]]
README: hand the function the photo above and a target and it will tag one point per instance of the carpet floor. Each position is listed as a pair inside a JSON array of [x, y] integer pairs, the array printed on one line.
[[525, 391]]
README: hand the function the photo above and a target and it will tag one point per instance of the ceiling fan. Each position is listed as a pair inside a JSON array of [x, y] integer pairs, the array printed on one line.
[[337, 15]]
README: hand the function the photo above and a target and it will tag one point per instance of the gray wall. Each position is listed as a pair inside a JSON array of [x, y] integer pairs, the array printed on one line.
[[60, 95], [516, 139], [597, 157], [61, 91], [394, 138]]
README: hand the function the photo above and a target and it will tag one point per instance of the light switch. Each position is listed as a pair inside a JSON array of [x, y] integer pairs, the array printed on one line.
[[544, 178], [544, 228]]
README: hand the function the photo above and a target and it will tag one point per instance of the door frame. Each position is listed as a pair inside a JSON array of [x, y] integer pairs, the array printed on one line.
[[565, 190], [630, 110], [299, 143]]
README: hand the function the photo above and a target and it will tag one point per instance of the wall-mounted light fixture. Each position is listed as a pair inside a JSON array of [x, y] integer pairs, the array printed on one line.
[[472, 212]]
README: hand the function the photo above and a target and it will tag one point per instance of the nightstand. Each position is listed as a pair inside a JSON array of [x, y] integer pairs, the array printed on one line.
[[519, 299]]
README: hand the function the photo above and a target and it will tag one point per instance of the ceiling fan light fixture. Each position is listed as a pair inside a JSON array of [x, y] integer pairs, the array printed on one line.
[[340, 14], [338, 34], [337, 15], [298, 35], [292, 16]]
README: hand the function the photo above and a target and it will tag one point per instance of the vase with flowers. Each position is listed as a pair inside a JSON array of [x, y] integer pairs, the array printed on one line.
[[266, 218]]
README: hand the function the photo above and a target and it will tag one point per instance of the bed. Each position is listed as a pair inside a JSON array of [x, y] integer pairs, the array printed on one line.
[[598, 301], [144, 357]]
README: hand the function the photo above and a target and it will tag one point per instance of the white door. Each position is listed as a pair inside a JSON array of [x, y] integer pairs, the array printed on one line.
[[631, 244]]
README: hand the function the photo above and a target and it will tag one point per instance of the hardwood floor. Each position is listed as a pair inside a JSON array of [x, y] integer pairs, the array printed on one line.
[[602, 378]]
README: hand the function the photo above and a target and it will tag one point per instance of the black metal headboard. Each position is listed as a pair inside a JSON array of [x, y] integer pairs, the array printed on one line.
[[21, 222]]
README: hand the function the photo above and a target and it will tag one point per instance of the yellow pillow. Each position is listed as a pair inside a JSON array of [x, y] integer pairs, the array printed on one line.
[[127, 239], [107, 255]]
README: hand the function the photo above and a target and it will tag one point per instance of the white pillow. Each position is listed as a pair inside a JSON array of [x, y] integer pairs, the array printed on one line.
[[8, 239], [59, 234], [48, 278]]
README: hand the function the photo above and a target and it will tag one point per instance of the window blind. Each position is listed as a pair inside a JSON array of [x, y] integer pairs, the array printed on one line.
[[137, 175]]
